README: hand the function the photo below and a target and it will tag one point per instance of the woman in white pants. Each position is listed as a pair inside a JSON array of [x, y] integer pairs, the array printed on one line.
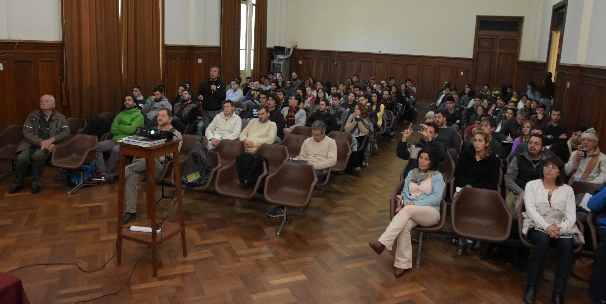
[[419, 204]]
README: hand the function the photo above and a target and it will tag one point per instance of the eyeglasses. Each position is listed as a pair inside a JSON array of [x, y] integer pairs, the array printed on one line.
[[551, 166]]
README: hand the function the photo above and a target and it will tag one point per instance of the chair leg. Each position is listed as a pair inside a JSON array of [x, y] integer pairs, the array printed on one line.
[[419, 248], [324, 188], [284, 221], [163, 196], [11, 170], [81, 184]]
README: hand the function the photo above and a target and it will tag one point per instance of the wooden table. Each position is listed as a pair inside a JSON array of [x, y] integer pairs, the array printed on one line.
[[168, 229]]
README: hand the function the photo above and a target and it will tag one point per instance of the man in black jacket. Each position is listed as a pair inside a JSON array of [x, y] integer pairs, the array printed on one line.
[[522, 169], [325, 116], [410, 151], [275, 115], [212, 94], [512, 128]]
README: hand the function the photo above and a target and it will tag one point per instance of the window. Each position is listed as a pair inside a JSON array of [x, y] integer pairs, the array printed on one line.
[[247, 35]]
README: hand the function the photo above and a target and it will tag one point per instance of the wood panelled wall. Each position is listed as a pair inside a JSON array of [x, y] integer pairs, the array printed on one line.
[[428, 73], [527, 71], [29, 70], [181, 63]]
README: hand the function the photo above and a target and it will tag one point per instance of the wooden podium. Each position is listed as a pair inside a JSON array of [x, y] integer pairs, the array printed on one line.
[[168, 229]]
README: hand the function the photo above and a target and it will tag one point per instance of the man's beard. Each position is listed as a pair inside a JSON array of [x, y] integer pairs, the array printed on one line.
[[532, 154]]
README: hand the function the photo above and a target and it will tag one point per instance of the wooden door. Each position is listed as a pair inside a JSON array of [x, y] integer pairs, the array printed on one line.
[[496, 51]]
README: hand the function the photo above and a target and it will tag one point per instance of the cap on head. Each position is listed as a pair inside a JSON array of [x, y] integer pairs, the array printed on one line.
[[590, 133], [429, 114]]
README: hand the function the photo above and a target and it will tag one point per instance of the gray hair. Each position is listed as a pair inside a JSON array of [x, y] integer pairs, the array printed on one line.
[[523, 112], [51, 97], [318, 125]]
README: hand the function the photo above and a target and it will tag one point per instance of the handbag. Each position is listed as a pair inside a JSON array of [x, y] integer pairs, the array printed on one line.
[[583, 268]]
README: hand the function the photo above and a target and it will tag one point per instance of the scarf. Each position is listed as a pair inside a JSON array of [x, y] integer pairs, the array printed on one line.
[[572, 147], [418, 176], [290, 117]]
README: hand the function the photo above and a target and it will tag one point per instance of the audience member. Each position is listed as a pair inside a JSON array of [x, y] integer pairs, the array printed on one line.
[[488, 125], [447, 138], [554, 130], [138, 96], [478, 166], [252, 97], [226, 125], [540, 118], [480, 112], [360, 126], [339, 112], [564, 149], [213, 92], [276, 116], [523, 147], [177, 98], [294, 115], [525, 136], [429, 117], [547, 90], [234, 94], [259, 131], [512, 128], [152, 107], [350, 106], [322, 114], [588, 164], [477, 125], [136, 171], [597, 288], [42, 130], [186, 111], [453, 115], [410, 151], [253, 111], [295, 81]]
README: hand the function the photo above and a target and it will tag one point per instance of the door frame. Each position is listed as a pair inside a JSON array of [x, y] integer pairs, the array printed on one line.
[[553, 27]]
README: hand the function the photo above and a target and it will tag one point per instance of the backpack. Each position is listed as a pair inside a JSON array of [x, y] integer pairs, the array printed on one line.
[[250, 167], [198, 161], [88, 173], [96, 125]]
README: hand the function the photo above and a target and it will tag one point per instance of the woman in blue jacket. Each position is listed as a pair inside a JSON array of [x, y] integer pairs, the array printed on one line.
[[597, 289], [419, 204]]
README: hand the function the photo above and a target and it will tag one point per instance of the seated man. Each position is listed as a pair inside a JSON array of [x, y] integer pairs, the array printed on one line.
[[234, 94], [259, 131], [522, 169], [447, 138], [540, 118], [562, 148], [323, 115], [276, 116], [488, 124], [41, 131], [471, 130], [588, 164], [252, 95], [453, 115], [125, 124], [135, 172], [186, 111], [597, 288], [339, 112], [294, 116], [253, 110], [320, 151], [523, 147], [154, 104], [410, 152], [226, 125], [554, 130], [512, 128]]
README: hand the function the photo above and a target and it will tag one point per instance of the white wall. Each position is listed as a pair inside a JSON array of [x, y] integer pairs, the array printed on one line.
[[584, 40], [596, 46], [277, 12], [192, 22], [30, 20]]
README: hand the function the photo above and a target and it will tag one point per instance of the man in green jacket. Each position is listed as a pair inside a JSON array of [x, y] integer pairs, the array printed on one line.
[[42, 130], [125, 124]]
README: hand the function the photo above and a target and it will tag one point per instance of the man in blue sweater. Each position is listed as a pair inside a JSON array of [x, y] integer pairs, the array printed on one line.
[[597, 289]]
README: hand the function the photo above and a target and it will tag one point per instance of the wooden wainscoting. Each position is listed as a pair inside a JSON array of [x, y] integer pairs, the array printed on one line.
[[181, 64], [527, 71], [581, 93], [29, 70], [428, 73]]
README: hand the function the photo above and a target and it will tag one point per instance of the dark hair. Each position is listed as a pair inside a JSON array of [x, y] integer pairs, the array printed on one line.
[[363, 111], [581, 128], [515, 111], [270, 72], [189, 91], [542, 106], [159, 89], [491, 121], [169, 113], [433, 158], [442, 112], [135, 100], [137, 87], [407, 79], [554, 160], [263, 108], [523, 95], [266, 93], [434, 126], [228, 101], [453, 89], [477, 96], [541, 137], [471, 94], [450, 98], [533, 127], [182, 85], [533, 86], [556, 109]]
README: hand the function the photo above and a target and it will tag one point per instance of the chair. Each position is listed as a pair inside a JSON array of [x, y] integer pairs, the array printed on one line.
[[343, 154], [187, 145], [338, 135], [9, 140], [216, 160], [228, 184], [276, 156], [228, 149], [435, 228], [323, 185], [448, 169], [290, 186], [301, 130], [591, 223], [293, 143], [74, 154], [583, 187], [108, 115], [389, 116], [481, 214], [76, 125], [521, 208]]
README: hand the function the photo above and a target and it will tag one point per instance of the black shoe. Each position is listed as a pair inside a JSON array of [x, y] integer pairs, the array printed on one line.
[[128, 217], [557, 298], [529, 294], [110, 178], [14, 188], [35, 189], [278, 211]]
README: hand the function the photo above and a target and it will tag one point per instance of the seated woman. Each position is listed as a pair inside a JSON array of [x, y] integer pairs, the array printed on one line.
[[360, 126], [526, 126], [419, 204], [550, 218], [477, 167]]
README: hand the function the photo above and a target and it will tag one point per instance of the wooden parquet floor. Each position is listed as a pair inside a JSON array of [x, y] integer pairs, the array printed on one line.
[[234, 255]]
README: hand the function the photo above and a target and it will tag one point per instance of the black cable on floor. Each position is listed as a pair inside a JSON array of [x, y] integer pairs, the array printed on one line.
[[64, 264]]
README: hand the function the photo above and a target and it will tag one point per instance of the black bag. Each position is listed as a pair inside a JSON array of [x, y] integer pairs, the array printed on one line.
[[96, 125], [250, 167], [198, 161]]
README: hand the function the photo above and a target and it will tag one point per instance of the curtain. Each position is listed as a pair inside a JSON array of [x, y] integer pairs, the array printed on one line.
[[230, 39], [92, 56], [260, 65]]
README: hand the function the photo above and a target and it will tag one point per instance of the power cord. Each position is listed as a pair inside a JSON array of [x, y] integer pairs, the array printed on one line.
[[64, 264]]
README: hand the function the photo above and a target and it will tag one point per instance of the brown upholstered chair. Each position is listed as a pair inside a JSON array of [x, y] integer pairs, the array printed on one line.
[[448, 169], [337, 135], [228, 184], [108, 115], [169, 174], [74, 154], [228, 149], [216, 160], [583, 187], [435, 228], [76, 125], [301, 130], [324, 184], [343, 154], [290, 186], [293, 143], [521, 208], [389, 116], [276, 156], [591, 223], [481, 214], [9, 140]]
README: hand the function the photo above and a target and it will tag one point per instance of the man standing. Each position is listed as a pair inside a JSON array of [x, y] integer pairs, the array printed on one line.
[[41, 130], [338, 111], [152, 107], [226, 125], [522, 169], [322, 114], [588, 164], [135, 172], [320, 151], [259, 131], [213, 91], [447, 138], [125, 124]]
